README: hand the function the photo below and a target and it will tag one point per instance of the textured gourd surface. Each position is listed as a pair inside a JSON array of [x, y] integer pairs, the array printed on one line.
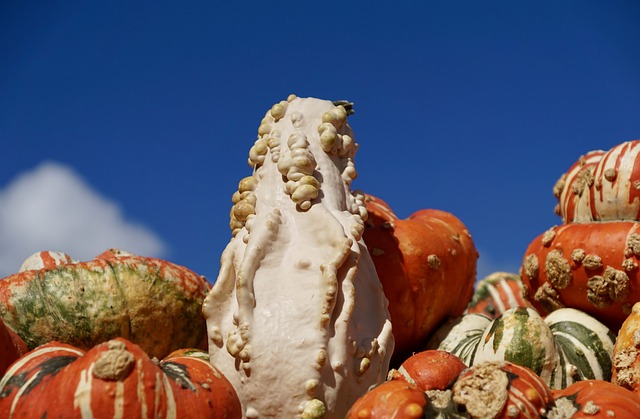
[[297, 318], [152, 302]]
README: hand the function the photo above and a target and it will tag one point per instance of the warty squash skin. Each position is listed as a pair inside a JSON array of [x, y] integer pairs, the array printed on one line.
[[115, 379], [149, 301], [626, 353], [297, 319], [395, 399], [594, 399], [591, 261], [592, 267], [427, 266], [570, 188], [609, 191], [501, 390]]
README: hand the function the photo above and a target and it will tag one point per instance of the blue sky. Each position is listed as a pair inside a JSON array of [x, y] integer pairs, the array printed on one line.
[[128, 124]]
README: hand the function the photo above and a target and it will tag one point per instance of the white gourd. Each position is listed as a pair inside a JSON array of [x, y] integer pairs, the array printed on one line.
[[297, 318]]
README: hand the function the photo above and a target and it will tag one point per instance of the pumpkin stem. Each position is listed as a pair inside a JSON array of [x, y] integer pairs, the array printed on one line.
[[348, 106]]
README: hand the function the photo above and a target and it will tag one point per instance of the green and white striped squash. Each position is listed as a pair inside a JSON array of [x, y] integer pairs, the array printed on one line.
[[584, 346], [460, 336], [521, 336], [563, 348]]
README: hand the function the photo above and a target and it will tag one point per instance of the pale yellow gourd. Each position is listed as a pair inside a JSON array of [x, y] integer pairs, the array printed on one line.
[[297, 318]]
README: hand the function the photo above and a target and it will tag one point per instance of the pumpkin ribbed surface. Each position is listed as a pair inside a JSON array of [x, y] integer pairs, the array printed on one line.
[[394, 399], [115, 379], [152, 302]]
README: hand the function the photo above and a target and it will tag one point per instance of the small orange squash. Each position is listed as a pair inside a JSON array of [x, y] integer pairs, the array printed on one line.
[[431, 369], [395, 399], [427, 266], [501, 390], [594, 399]]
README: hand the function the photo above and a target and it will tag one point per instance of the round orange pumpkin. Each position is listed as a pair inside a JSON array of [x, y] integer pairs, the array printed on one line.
[[501, 390], [395, 399], [427, 266], [431, 369], [592, 267], [594, 399], [115, 379]]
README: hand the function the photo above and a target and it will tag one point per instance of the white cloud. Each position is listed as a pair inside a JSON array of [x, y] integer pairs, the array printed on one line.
[[53, 208]]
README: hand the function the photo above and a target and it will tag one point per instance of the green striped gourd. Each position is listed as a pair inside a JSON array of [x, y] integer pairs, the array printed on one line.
[[566, 346], [152, 302], [461, 336]]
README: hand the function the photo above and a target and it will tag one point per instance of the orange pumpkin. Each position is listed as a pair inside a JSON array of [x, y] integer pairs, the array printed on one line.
[[427, 266], [497, 390], [430, 370], [594, 399], [396, 399], [591, 262], [501, 390], [592, 267], [115, 379]]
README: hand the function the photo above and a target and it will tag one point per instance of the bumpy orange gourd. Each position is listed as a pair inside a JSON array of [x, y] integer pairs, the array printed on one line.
[[115, 379], [594, 399], [592, 267], [427, 266], [501, 390], [591, 261], [396, 399], [496, 390]]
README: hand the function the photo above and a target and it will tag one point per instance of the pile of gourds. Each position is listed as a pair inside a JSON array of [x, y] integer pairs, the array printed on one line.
[[328, 305]]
